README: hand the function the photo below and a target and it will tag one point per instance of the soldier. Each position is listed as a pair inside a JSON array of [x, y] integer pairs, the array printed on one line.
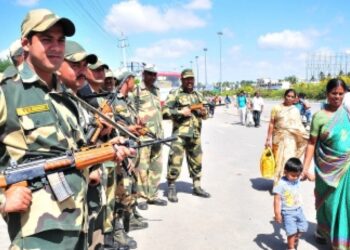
[[147, 103], [36, 120], [187, 126], [126, 184], [17, 58]]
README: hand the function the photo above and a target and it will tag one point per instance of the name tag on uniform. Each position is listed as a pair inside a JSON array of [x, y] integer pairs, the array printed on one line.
[[32, 109]]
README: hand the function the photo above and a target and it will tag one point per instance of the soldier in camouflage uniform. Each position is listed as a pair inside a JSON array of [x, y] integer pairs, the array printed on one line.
[[187, 126], [126, 183], [147, 103], [17, 58], [38, 120], [34, 123]]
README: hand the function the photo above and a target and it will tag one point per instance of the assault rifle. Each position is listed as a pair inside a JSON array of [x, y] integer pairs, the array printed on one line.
[[53, 168]]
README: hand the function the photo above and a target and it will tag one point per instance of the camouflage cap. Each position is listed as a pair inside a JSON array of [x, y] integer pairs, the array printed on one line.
[[74, 52], [150, 68], [16, 48], [39, 20], [124, 74], [109, 74], [97, 65], [186, 73]]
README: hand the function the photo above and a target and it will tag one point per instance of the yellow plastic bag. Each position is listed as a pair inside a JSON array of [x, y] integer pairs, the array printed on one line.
[[267, 164]]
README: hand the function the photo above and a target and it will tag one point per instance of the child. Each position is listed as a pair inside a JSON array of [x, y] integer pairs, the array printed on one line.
[[287, 202]]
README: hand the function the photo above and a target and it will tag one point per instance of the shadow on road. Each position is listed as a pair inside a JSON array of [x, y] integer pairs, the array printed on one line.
[[181, 187], [271, 241], [262, 184], [276, 240]]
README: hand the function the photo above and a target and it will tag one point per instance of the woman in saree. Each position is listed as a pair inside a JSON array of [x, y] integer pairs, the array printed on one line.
[[329, 144], [286, 134]]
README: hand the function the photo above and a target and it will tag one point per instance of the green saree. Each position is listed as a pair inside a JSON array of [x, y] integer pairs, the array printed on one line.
[[332, 190]]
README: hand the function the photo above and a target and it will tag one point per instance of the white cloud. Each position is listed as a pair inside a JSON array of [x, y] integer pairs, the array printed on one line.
[[227, 32], [199, 4], [27, 2], [234, 50], [133, 17], [286, 39], [4, 54], [166, 49]]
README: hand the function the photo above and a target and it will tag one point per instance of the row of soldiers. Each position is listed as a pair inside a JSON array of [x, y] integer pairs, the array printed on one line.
[[57, 97]]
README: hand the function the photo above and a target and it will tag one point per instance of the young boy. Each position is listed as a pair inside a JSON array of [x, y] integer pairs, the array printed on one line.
[[287, 202]]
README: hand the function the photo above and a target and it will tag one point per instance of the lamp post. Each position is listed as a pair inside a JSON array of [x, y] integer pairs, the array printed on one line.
[[220, 74], [197, 78], [205, 66]]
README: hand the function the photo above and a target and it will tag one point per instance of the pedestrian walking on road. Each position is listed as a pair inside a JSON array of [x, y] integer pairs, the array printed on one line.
[[187, 126], [242, 106], [287, 203], [286, 134], [329, 143], [258, 105], [227, 101]]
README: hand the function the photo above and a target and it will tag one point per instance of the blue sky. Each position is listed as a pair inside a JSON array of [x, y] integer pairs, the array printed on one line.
[[270, 38]]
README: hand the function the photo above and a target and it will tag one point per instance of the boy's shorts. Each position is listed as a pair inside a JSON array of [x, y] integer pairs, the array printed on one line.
[[294, 221]]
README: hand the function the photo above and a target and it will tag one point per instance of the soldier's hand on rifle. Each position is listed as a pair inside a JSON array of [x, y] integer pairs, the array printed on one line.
[[135, 129], [107, 128], [121, 151], [18, 199], [186, 111], [94, 177], [203, 111]]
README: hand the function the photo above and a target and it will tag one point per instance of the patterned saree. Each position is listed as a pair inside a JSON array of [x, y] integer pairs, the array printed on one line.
[[332, 190], [289, 138]]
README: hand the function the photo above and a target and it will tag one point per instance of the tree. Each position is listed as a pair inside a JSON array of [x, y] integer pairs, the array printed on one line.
[[322, 76], [292, 79], [4, 64], [341, 72]]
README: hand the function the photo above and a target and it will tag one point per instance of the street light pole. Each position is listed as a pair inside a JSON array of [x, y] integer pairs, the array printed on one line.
[[197, 70], [205, 66], [220, 78]]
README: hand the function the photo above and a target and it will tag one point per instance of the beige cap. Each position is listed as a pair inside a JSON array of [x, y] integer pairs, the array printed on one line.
[[97, 65], [150, 68], [16, 48], [109, 74], [39, 20], [74, 52]]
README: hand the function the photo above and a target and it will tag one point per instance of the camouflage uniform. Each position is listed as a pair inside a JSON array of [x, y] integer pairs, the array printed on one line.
[[147, 103], [188, 130], [126, 191], [37, 123]]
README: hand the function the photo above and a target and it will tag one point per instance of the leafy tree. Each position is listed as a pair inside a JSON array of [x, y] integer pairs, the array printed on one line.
[[341, 73], [322, 76], [4, 64], [292, 79], [329, 75]]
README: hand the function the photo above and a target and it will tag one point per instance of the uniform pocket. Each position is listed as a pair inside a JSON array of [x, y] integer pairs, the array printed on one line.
[[38, 128]]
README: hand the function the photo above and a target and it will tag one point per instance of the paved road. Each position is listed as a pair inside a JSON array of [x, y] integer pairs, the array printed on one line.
[[239, 215]]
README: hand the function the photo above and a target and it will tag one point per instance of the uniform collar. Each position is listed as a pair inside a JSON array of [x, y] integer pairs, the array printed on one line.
[[28, 76], [143, 86]]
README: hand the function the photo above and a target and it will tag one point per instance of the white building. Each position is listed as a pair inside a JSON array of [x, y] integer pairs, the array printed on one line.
[[267, 83]]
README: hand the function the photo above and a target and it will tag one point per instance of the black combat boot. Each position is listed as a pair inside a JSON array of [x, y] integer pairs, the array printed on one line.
[[137, 214], [136, 224], [198, 191], [172, 196]]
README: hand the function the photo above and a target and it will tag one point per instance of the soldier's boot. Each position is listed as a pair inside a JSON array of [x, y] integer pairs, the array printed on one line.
[[200, 192], [110, 244], [120, 236], [172, 195], [137, 215], [136, 224]]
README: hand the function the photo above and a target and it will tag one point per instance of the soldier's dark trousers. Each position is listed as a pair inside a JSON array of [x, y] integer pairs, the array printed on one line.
[[192, 147]]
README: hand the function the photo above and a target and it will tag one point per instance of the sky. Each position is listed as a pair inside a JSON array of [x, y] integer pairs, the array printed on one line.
[[260, 38]]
